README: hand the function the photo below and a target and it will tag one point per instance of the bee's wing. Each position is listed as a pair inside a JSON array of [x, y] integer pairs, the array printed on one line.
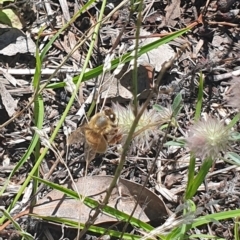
[[77, 136], [89, 153]]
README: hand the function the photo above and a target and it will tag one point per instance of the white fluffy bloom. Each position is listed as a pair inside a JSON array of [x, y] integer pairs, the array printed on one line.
[[207, 138]]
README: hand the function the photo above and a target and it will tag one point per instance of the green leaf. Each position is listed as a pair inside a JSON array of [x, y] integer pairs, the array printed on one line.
[[158, 107], [25, 235], [3, 1], [205, 236], [235, 136], [10, 17], [191, 170], [175, 143], [177, 104], [234, 157], [236, 229], [4, 18]]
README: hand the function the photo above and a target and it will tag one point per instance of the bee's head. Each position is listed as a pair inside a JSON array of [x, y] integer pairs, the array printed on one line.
[[110, 114], [101, 121]]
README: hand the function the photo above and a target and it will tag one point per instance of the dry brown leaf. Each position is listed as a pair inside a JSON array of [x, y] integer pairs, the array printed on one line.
[[9, 103], [157, 56], [172, 13], [121, 84], [13, 41], [123, 198], [112, 88]]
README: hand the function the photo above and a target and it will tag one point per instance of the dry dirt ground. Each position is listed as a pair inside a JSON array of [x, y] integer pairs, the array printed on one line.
[[212, 47]]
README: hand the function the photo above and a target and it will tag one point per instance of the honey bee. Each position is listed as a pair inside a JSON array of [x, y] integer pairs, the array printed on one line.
[[101, 131]]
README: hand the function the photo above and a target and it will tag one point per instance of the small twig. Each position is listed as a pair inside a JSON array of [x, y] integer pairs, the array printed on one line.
[[45, 71], [190, 26], [223, 24], [223, 76]]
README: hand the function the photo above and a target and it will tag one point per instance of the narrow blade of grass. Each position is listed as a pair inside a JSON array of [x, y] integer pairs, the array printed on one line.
[[215, 217], [234, 121], [236, 229], [94, 229], [25, 235], [199, 99], [205, 236], [191, 170], [38, 112], [123, 59], [193, 186]]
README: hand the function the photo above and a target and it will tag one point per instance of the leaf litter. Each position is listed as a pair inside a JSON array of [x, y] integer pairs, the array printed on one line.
[[214, 50]]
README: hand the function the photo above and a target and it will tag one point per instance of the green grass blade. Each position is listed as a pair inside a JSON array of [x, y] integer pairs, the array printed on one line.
[[39, 117], [215, 217], [94, 229], [236, 229], [233, 121], [191, 170], [21, 162], [199, 179], [38, 112], [200, 98], [25, 235], [205, 236], [175, 234], [123, 59]]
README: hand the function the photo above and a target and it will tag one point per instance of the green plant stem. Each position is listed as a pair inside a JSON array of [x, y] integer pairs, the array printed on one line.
[[135, 64], [38, 111]]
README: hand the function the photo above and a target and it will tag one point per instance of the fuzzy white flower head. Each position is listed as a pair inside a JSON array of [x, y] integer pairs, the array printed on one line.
[[207, 138], [166, 115], [147, 127]]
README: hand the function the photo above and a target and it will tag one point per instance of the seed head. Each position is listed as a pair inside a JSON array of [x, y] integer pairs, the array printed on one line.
[[166, 115], [147, 128], [207, 138]]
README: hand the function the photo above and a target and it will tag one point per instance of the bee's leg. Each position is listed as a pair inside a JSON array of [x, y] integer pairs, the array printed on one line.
[[89, 156], [116, 138]]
